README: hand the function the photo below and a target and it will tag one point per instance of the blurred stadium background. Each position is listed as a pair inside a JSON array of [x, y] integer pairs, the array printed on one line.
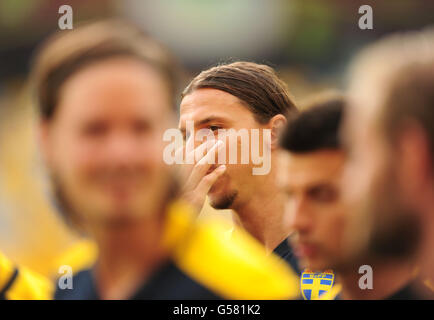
[[309, 42]]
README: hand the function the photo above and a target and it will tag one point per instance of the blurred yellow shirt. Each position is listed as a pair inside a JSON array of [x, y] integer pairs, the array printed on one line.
[[20, 283]]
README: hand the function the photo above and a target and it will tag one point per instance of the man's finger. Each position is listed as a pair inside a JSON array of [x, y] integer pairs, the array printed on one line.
[[194, 155], [207, 182], [203, 166]]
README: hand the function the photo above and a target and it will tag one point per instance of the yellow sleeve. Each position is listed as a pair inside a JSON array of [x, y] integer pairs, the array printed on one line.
[[235, 268], [20, 283], [79, 256]]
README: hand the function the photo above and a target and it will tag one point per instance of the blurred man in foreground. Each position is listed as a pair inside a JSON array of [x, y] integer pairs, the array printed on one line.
[[238, 99], [389, 135], [312, 168], [106, 94]]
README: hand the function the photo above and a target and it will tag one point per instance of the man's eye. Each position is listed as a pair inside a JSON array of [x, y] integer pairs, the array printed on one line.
[[95, 129], [323, 194], [214, 128], [142, 127]]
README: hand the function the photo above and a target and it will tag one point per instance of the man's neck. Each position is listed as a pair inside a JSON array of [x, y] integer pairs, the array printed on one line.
[[427, 248], [262, 216], [128, 254], [388, 278]]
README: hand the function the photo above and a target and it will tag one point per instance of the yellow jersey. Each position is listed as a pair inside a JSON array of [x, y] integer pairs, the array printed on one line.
[[20, 283]]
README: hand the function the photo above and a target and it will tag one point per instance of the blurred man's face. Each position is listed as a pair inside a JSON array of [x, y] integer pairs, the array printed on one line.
[[381, 223], [214, 109], [104, 144], [314, 208]]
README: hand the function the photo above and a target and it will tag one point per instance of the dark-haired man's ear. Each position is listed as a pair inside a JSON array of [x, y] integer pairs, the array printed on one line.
[[277, 125]]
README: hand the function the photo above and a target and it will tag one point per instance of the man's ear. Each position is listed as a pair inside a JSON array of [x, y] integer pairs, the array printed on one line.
[[277, 125], [415, 162], [43, 139]]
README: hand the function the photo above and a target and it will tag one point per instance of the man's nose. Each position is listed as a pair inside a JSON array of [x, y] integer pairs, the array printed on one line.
[[122, 147], [299, 216]]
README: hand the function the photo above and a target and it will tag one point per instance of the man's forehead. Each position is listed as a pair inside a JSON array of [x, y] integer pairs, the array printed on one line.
[[203, 103], [362, 110], [202, 113], [361, 122], [312, 167], [366, 100]]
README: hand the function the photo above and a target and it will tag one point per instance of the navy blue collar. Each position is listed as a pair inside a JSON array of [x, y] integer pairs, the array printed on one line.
[[285, 251]]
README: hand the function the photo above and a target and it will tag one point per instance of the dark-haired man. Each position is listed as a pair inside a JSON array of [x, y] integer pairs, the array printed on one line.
[[235, 98], [313, 165]]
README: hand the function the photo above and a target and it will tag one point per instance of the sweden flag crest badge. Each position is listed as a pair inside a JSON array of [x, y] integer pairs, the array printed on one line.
[[314, 284]]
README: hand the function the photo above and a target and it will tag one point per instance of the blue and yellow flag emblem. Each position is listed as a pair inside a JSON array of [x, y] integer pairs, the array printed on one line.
[[314, 284]]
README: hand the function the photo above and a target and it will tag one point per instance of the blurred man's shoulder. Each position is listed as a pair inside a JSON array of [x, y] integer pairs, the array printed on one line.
[[21, 283], [235, 267]]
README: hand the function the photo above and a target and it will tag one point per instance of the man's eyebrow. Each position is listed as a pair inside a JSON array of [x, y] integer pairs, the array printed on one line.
[[204, 121], [210, 119], [318, 184]]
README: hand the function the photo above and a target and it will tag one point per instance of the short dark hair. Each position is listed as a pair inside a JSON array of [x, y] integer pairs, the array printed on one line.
[[256, 85], [315, 128], [67, 52]]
